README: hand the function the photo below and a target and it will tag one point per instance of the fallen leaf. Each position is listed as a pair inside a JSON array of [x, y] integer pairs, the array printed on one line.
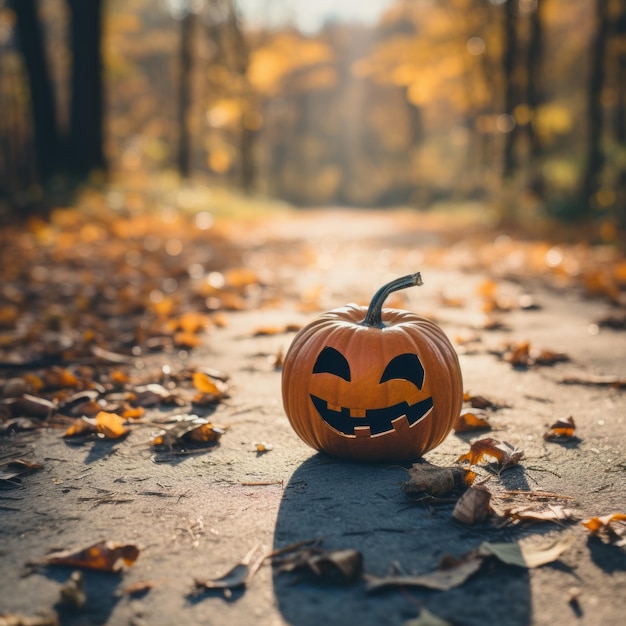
[[81, 428], [110, 425], [520, 354], [436, 481], [189, 429], [344, 566], [480, 402], [58, 377], [17, 467], [610, 525], [527, 555], [31, 406], [470, 420], [450, 574], [553, 513], [563, 428], [334, 566], [504, 453], [472, 506], [239, 576], [152, 394], [104, 556]]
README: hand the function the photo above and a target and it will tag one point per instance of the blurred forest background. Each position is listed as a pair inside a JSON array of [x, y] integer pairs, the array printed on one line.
[[517, 107]]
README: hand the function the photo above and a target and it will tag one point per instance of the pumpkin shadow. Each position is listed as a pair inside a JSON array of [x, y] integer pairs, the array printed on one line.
[[362, 506]]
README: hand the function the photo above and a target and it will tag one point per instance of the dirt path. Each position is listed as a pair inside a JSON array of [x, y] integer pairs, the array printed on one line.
[[195, 516]]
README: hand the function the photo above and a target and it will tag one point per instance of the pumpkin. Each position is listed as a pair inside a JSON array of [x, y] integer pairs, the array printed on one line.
[[372, 384]]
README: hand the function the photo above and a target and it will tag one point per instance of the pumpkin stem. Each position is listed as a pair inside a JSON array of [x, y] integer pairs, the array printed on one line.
[[374, 315]]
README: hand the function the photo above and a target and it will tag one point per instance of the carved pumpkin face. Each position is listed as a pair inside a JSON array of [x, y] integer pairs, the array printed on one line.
[[401, 381], [385, 391]]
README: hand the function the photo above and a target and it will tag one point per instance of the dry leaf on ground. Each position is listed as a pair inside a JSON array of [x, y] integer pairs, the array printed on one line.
[[106, 556], [451, 573], [481, 402], [16, 468], [613, 526], [436, 481], [563, 428], [552, 513], [334, 566], [472, 506], [237, 577], [470, 420], [111, 425], [504, 453], [527, 555], [190, 429]]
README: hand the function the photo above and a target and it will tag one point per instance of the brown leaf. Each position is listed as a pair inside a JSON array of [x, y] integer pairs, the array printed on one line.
[[17, 467], [553, 513], [31, 406], [104, 556], [239, 576], [335, 566], [345, 566], [436, 481], [520, 354], [504, 453], [190, 429], [451, 573], [470, 420], [481, 402], [563, 428], [472, 506]]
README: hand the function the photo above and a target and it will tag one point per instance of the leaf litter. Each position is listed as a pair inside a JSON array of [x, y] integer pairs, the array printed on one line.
[[237, 577], [105, 556]]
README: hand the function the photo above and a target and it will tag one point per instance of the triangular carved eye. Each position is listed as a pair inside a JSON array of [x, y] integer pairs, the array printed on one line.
[[331, 361], [407, 367]]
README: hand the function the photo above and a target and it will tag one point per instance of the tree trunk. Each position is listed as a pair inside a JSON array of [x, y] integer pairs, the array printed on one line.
[[534, 60], [45, 128], [184, 93], [248, 135], [595, 118], [86, 151], [510, 87]]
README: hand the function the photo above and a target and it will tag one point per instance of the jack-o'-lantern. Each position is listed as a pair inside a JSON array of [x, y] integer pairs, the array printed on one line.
[[371, 383]]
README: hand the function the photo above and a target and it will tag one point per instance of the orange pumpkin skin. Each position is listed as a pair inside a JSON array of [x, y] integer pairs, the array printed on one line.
[[310, 391]]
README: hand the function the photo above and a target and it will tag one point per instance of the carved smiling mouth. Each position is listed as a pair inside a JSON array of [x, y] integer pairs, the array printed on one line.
[[376, 421]]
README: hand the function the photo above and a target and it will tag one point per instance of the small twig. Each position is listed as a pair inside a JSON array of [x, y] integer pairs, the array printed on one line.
[[292, 547], [537, 494], [262, 483]]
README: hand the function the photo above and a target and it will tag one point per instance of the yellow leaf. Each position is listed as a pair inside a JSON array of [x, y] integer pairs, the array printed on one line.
[[203, 383], [110, 425]]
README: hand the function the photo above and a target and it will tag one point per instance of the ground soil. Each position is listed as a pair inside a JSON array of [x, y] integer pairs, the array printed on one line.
[[195, 516]]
